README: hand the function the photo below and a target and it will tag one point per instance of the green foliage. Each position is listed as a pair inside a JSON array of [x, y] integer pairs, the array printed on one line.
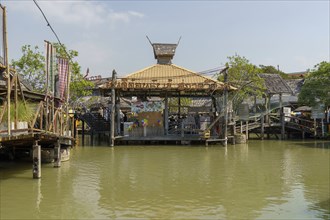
[[174, 103], [25, 112], [31, 67], [316, 88], [244, 76], [273, 70]]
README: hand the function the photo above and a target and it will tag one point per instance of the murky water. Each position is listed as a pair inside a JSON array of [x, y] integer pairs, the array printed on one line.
[[259, 180]]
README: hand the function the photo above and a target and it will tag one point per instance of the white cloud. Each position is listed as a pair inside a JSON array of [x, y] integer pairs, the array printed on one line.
[[79, 13]]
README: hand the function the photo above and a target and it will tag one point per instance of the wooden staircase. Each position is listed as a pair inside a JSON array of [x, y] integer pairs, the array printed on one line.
[[96, 122]]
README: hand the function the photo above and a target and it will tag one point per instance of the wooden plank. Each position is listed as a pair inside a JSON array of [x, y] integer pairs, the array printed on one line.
[[36, 114]]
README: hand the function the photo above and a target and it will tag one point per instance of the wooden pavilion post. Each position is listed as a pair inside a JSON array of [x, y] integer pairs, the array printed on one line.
[[166, 115], [282, 118], [112, 110], [118, 115]]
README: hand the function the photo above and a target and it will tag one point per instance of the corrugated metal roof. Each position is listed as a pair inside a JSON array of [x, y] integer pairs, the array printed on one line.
[[170, 77]]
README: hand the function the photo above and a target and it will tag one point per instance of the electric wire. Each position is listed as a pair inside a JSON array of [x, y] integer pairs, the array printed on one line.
[[50, 26]]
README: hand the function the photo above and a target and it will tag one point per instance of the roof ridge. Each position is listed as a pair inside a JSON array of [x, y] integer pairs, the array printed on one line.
[[205, 77], [139, 71]]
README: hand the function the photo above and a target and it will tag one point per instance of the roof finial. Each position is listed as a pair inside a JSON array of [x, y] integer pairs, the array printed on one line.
[[149, 40]]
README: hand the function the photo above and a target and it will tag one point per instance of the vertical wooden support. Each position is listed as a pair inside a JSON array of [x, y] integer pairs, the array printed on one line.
[[226, 106], [36, 168], [241, 127], [112, 112], [74, 128], [247, 130], [282, 118], [255, 105], [7, 68], [315, 132], [268, 116], [67, 119], [15, 101], [262, 119], [179, 106], [83, 132], [118, 115], [166, 115], [322, 124], [92, 137], [57, 154]]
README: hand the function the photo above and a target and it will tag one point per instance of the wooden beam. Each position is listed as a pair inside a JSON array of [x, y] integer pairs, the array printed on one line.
[[112, 107]]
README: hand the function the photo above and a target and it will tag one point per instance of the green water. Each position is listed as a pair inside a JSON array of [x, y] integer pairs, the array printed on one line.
[[258, 180]]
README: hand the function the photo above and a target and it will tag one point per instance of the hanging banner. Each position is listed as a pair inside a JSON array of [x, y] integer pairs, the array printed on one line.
[[138, 107], [63, 71], [50, 54]]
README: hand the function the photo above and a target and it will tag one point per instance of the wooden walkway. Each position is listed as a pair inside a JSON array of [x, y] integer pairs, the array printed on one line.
[[292, 125]]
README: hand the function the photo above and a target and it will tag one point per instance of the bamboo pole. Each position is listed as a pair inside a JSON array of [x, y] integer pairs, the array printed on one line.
[[67, 102], [15, 101], [7, 68]]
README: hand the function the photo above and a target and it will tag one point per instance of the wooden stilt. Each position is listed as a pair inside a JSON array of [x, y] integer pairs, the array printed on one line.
[[247, 130], [282, 118], [226, 107], [36, 168], [262, 119], [112, 112], [83, 132], [57, 154]]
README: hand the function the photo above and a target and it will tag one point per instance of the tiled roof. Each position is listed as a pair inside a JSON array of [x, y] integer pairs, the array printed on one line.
[[168, 77]]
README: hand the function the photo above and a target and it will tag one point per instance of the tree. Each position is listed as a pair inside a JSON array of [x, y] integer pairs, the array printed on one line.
[[316, 87], [273, 70], [31, 67], [244, 76]]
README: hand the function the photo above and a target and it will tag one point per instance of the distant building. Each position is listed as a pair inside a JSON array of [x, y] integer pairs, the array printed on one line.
[[296, 75]]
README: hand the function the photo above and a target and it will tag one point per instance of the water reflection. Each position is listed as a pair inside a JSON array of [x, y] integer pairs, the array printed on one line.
[[263, 179]]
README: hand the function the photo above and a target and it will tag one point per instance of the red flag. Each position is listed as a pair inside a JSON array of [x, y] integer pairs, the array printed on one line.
[[63, 71]]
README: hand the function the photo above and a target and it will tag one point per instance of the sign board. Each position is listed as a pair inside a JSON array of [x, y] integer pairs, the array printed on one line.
[[243, 112], [138, 107], [318, 112], [287, 113]]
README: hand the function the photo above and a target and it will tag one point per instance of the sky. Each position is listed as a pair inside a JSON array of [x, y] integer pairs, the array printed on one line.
[[112, 34]]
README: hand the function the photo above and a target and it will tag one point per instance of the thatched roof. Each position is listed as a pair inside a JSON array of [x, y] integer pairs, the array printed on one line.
[[295, 85], [275, 84], [161, 77]]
